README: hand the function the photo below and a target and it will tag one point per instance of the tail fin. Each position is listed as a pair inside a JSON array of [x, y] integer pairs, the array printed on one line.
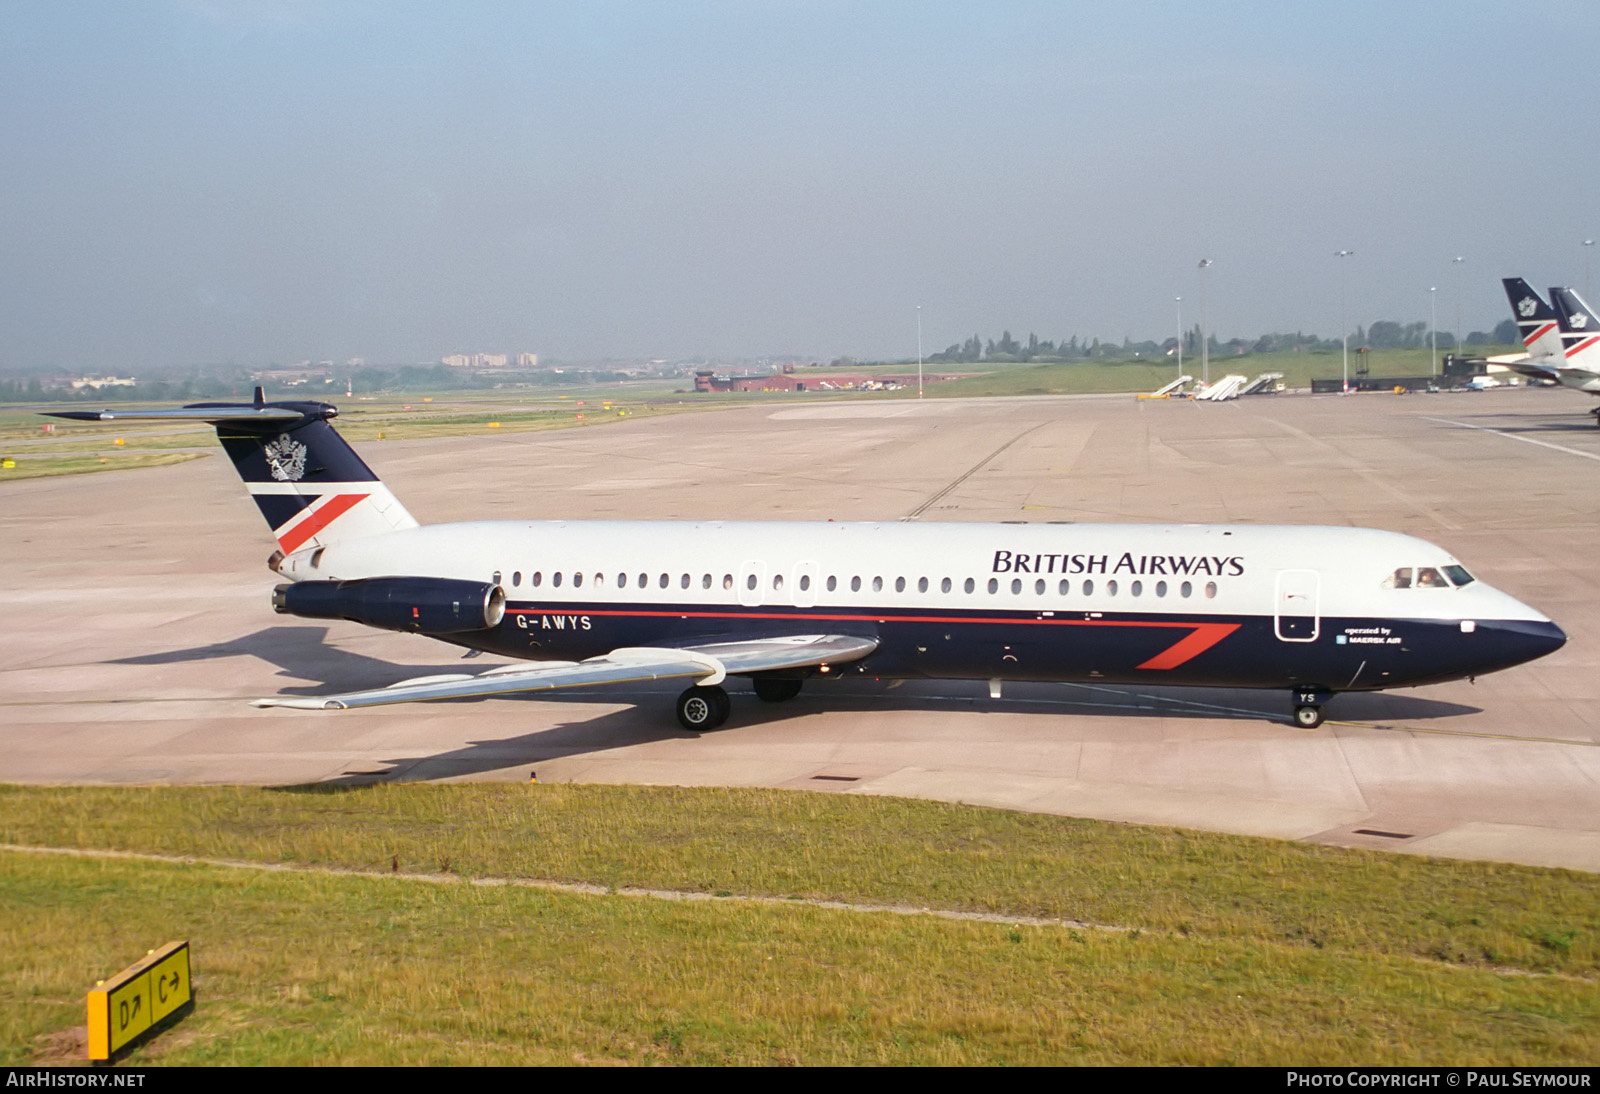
[[1580, 332], [308, 482], [1536, 321]]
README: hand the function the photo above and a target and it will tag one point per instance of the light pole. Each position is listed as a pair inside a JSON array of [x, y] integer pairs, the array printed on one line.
[[1433, 325], [1179, 299], [1344, 323], [919, 351], [1205, 337], [1458, 262], [1586, 269]]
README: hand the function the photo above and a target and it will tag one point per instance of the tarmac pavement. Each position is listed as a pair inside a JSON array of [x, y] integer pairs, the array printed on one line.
[[137, 623]]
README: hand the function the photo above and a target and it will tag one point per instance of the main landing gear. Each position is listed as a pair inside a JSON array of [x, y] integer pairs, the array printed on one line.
[[705, 708], [772, 690], [702, 708], [1308, 706]]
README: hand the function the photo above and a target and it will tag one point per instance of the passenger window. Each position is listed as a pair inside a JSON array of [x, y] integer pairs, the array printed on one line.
[[665, 581], [1088, 588], [538, 579], [805, 582], [750, 582], [777, 581], [833, 583], [1137, 588], [577, 580], [1111, 588], [497, 577], [855, 584], [705, 581], [994, 586], [1038, 586], [1211, 590], [1016, 586], [944, 586], [683, 582], [644, 581], [622, 581], [877, 584], [899, 584], [555, 579], [1065, 587], [727, 581], [516, 578], [599, 579], [1161, 588], [922, 584], [1185, 589], [969, 586]]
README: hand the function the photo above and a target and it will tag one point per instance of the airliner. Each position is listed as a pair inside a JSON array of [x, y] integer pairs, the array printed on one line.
[[1311, 611]]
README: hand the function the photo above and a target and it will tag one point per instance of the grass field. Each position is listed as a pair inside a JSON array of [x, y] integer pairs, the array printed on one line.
[[77, 447], [1188, 948], [72, 447]]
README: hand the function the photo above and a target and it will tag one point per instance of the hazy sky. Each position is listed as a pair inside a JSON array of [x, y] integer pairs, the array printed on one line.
[[271, 180]]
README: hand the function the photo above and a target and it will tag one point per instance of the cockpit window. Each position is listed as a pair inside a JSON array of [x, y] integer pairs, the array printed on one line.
[[1427, 577]]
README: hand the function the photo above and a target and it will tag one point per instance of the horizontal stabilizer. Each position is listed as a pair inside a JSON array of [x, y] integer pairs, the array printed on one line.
[[708, 664], [265, 415]]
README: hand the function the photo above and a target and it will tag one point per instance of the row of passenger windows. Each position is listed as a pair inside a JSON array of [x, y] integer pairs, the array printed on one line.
[[1040, 586]]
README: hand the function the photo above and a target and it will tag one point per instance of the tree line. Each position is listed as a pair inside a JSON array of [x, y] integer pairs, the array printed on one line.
[[1383, 334]]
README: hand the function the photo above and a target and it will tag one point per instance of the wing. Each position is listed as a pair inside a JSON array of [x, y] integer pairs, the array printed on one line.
[[709, 664], [1541, 368]]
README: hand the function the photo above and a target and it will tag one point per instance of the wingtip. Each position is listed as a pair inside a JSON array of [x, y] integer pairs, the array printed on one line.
[[299, 704]]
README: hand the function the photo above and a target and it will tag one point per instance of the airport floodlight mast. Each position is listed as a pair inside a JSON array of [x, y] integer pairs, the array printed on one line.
[[1344, 324], [1459, 262], [1587, 268], [919, 351], [1205, 335], [1433, 325], [1180, 334]]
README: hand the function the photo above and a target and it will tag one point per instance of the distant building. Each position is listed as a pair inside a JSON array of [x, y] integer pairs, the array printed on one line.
[[708, 380], [489, 360], [102, 381]]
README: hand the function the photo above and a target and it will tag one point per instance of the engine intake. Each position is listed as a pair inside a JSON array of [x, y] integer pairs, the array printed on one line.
[[423, 605]]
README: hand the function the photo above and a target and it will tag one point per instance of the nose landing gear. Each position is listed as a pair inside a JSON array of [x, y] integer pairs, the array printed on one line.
[[1308, 706]]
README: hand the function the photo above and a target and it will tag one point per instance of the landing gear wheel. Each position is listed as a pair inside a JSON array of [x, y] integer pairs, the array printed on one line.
[[769, 690], [702, 708], [1308, 717]]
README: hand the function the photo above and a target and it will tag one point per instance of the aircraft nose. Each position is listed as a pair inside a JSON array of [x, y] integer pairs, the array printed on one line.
[[1522, 640], [1546, 637]]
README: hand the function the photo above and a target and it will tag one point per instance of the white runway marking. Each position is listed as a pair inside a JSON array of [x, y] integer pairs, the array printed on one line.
[[1517, 437]]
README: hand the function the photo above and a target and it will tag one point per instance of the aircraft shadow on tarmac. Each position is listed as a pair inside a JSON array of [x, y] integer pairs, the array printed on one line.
[[1519, 423], [305, 654], [648, 719]]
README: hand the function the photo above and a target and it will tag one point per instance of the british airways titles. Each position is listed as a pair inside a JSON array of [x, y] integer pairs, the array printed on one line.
[[1009, 562]]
